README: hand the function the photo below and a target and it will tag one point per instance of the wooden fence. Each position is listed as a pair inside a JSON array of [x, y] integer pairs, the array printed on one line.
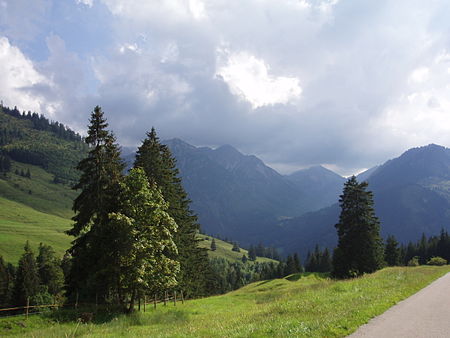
[[142, 302]]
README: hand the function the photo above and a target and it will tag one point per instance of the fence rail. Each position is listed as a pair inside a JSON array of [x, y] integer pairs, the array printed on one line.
[[142, 301]]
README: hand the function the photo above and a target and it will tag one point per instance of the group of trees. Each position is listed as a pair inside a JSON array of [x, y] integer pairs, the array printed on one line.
[[37, 280], [134, 233], [421, 251], [319, 260], [40, 122], [261, 251]]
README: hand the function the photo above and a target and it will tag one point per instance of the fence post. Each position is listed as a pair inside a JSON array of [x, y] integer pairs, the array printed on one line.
[[182, 298], [174, 298], [154, 301], [139, 303], [165, 298], [28, 304], [76, 301], [145, 301]]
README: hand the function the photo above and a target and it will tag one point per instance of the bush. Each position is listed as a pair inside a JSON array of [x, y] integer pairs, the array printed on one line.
[[437, 261], [414, 261]]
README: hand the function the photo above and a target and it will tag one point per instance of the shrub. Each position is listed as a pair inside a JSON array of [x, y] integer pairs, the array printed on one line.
[[437, 261], [414, 261]]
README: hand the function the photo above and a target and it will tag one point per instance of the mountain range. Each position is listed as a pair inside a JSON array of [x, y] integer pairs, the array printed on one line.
[[236, 195], [411, 194]]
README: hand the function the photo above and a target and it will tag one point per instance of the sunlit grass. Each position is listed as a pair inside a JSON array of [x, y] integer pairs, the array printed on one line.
[[311, 305]]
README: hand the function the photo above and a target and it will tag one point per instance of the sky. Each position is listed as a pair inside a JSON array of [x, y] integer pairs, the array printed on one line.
[[347, 84]]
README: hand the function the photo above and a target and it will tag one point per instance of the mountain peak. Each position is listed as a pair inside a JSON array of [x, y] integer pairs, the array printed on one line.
[[178, 143]]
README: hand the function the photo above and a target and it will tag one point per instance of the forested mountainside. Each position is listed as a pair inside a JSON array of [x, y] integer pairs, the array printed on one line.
[[33, 139], [411, 193], [238, 196]]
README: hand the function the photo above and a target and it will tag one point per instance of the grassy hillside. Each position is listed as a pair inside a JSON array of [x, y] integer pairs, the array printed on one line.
[[224, 250], [296, 306], [19, 223], [38, 192]]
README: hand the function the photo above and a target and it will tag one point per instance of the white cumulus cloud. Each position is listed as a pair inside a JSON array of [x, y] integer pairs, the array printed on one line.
[[249, 78], [18, 78]]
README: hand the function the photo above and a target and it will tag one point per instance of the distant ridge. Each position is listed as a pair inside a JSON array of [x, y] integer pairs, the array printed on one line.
[[412, 196]]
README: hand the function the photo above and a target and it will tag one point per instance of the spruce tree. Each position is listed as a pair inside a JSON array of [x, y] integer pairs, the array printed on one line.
[[360, 247], [252, 253], [392, 252], [6, 283], [26, 284], [50, 272], [160, 167], [213, 245], [94, 251]]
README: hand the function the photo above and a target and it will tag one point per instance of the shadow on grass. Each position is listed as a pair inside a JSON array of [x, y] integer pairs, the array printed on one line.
[[102, 315]]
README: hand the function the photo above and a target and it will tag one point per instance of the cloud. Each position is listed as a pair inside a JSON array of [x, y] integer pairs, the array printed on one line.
[[248, 77], [19, 77], [23, 19], [342, 83], [88, 3]]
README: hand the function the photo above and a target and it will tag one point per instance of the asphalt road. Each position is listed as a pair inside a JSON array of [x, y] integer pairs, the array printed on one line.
[[424, 314]]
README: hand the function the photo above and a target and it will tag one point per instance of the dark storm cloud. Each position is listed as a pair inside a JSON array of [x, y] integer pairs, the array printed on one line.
[[343, 83]]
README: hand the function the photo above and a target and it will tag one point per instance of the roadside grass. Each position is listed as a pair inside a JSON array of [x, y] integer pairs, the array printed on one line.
[[223, 250], [308, 305]]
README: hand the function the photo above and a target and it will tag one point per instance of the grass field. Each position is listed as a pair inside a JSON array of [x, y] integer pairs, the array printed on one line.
[[38, 192], [299, 305], [223, 250], [19, 223]]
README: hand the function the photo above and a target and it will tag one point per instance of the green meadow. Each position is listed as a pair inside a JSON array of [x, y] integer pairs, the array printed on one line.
[[303, 305]]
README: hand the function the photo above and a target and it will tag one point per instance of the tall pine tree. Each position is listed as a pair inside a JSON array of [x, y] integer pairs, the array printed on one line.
[[360, 248], [94, 251], [26, 284], [392, 251], [160, 167]]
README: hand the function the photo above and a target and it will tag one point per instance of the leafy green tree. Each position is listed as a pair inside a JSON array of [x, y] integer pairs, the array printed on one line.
[[360, 248], [94, 250], [146, 230], [49, 267], [160, 167], [392, 252], [213, 245], [26, 284]]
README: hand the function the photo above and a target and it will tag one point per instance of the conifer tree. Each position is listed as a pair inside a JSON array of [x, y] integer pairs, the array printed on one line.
[[297, 264], [235, 247], [244, 258], [252, 253], [94, 251], [213, 245], [49, 267], [26, 284], [6, 283], [392, 252], [360, 248], [159, 165]]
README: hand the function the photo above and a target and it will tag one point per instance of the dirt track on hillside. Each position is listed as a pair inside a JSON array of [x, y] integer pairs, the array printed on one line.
[[424, 314]]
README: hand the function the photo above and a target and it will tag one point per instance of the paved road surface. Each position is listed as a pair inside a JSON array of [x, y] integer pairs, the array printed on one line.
[[424, 314]]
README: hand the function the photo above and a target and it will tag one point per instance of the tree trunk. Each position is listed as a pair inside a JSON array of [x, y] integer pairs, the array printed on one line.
[[133, 298]]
